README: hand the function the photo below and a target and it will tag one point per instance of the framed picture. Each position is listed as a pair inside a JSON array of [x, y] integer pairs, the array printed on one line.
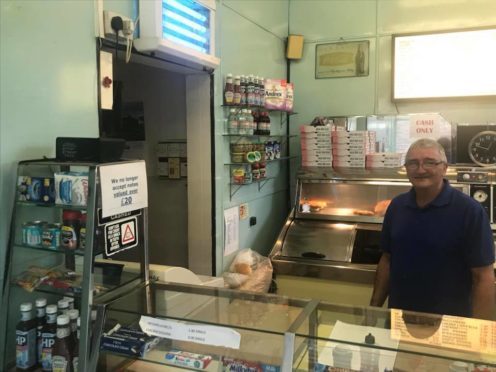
[[343, 59]]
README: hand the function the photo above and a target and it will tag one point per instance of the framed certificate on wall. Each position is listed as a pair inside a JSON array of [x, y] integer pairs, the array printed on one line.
[[343, 59]]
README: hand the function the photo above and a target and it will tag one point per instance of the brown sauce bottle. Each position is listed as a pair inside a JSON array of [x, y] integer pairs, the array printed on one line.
[[64, 344]]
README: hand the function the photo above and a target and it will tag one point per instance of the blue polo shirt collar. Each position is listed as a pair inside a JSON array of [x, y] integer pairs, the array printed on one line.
[[442, 199]]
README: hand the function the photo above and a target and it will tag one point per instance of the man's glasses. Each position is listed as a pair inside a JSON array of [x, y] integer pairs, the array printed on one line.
[[426, 164]]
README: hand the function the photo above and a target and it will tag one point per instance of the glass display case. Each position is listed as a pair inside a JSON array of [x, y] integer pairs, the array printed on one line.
[[197, 328], [61, 246]]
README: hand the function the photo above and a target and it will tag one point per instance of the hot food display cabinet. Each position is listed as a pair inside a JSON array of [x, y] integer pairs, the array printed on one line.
[[333, 233]]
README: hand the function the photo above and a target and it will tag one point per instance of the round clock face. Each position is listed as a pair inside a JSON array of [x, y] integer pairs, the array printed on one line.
[[482, 148]]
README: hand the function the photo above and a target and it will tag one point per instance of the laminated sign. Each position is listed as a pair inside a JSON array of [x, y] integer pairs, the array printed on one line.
[[124, 188]]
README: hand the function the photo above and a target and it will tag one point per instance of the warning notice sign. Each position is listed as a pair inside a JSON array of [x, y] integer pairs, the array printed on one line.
[[121, 235]]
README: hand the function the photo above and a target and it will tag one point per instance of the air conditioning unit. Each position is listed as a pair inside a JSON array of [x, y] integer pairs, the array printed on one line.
[[184, 29]]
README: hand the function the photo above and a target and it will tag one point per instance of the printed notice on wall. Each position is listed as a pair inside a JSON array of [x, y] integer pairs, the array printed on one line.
[[201, 334], [424, 126], [231, 230], [452, 332], [124, 188]]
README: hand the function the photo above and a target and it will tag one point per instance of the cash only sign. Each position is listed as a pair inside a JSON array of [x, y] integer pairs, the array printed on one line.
[[124, 195]]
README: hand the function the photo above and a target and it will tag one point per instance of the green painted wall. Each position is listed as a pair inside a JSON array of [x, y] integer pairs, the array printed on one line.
[[251, 40], [48, 80]]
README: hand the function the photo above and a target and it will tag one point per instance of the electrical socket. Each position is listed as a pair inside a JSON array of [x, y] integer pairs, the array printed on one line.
[[110, 33]]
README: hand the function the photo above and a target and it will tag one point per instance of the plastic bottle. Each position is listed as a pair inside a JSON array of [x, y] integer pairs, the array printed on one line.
[[233, 122], [26, 339], [250, 100], [243, 90], [229, 90], [261, 91], [369, 355], [237, 90], [74, 318], [256, 92], [48, 334], [62, 349], [249, 119], [40, 305]]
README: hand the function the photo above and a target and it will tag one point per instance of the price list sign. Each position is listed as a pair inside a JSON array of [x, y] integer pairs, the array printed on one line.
[[124, 188]]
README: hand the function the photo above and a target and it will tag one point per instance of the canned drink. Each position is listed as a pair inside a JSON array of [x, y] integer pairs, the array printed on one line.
[[50, 236], [35, 189], [31, 234]]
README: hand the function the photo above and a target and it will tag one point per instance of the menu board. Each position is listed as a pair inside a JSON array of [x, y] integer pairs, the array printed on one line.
[[444, 64]]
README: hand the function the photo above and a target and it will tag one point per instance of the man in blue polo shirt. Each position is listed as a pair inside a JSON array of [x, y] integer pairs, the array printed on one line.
[[438, 250]]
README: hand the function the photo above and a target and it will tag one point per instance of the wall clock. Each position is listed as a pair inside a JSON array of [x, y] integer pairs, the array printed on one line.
[[482, 148]]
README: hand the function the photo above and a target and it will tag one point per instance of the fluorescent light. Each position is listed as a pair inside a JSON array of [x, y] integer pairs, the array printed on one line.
[[177, 17], [185, 43], [184, 32], [185, 9]]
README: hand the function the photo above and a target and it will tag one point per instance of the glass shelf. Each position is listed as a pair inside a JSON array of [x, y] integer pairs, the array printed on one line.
[[102, 286], [259, 108], [260, 135], [235, 187], [75, 252], [265, 161], [56, 206]]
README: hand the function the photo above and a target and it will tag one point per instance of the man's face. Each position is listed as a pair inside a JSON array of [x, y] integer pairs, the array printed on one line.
[[430, 170]]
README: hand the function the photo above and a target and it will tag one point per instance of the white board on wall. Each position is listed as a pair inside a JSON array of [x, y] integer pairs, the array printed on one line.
[[444, 64]]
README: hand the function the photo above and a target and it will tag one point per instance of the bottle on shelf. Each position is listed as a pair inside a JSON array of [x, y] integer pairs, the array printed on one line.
[[82, 231], [26, 339], [75, 360], [256, 118], [244, 124], [250, 100], [74, 318], [63, 306], [261, 90], [229, 90], [63, 347], [233, 122], [256, 92], [70, 300], [40, 305], [249, 119], [48, 335], [237, 91], [243, 91]]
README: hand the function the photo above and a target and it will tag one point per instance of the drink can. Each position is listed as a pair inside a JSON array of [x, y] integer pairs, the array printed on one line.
[[31, 234], [50, 236]]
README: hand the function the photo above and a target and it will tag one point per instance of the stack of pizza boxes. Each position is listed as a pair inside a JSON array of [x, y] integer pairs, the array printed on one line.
[[350, 148], [315, 146], [384, 160]]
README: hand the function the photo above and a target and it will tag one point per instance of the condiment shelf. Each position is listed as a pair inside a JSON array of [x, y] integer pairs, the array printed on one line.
[[265, 161], [259, 135], [55, 206], [235, 187], [61, 250], [259, 108]]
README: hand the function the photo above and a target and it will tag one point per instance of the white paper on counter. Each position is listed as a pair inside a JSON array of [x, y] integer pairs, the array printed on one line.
[[231, 230], [202, 334], [356, 334]]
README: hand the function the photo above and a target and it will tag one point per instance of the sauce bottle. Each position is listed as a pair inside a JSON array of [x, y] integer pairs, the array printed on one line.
[[26, 339], [229, 90], [261, 91], [62, 349], [63, 306], [70, 229], [237, 90], [243, 90], [74, 323], [256, 92], [82, 231], [250, 99], [40, 322], [48, 334], [233, 122]]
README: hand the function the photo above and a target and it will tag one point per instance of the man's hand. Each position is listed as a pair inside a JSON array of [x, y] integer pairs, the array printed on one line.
[[381, 283]]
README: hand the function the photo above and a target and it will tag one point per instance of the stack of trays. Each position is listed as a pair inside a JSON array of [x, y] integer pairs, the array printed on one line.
[[315, 146], [384, 160], [350, 148]]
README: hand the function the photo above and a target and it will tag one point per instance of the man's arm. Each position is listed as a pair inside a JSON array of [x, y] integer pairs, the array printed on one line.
[[381, 283], [483, 289]]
